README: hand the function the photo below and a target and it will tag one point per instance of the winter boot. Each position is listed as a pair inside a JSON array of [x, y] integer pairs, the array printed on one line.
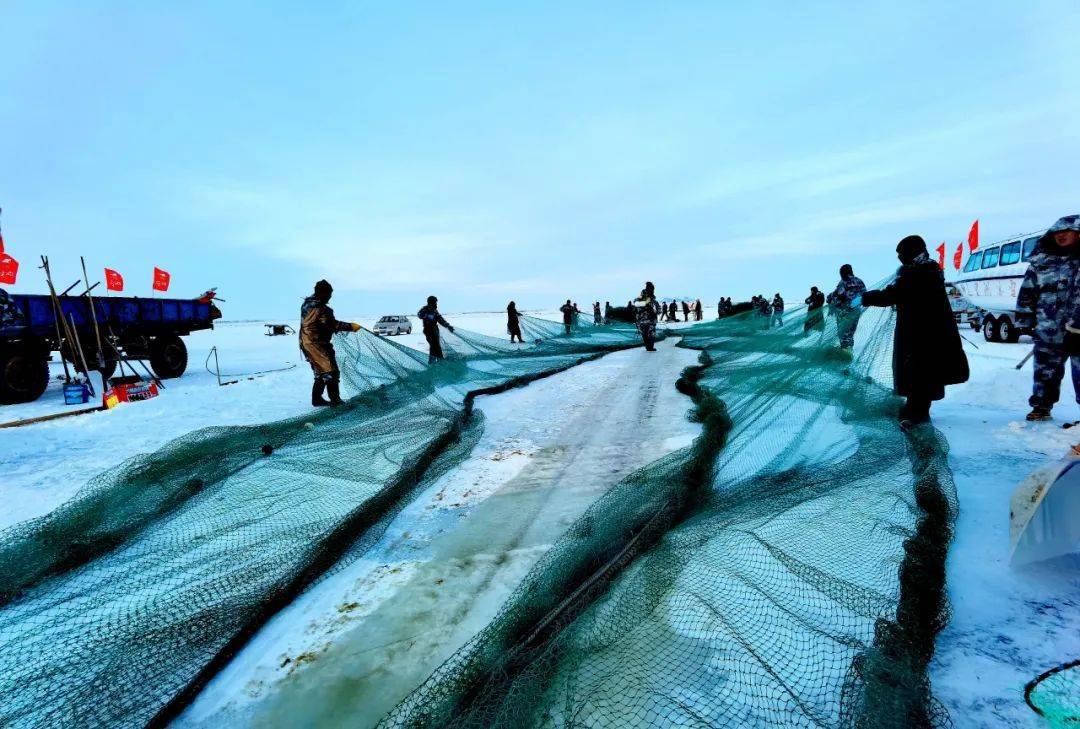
[[334, 391], [1038, 414], [317, 389]]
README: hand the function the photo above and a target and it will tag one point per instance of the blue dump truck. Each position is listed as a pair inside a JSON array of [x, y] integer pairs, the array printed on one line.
[[146, 329]]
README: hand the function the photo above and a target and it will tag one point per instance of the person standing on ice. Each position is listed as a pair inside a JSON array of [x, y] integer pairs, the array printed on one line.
[[597, 317], [1049, 292], [607, 312], [697, 310], [846, 304], [815, 316], [567, 310], [513, 323], [645, 313], [927, 353], [430, 318], [778, 311], [317, 328]]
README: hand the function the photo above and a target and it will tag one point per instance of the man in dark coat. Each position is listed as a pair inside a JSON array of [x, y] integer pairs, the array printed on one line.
[[568, 313], [697, 310], [607, 312], [317, 327], [431, 319], [927, 353], [1051, 293], [686, 311], [513, 323], [597, 317], [815, 314]]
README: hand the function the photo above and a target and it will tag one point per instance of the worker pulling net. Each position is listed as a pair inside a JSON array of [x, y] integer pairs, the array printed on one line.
[[792, 577], [121, 603]]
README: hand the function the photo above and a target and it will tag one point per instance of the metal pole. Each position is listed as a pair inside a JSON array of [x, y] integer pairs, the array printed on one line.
[[58, 317], [93, 315], [82, 356], [1025, 359]]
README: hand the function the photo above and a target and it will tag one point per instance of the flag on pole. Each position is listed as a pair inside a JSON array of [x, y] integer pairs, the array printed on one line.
[[161, 279], [9, 269], [958, 256], [113, 280], [973, 236], [941, 256]]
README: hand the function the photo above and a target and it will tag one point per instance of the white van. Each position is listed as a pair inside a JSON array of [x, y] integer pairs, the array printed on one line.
[[990, 280], [393, 324]]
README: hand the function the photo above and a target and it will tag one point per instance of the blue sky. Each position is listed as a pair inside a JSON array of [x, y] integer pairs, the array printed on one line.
[[528, 151]]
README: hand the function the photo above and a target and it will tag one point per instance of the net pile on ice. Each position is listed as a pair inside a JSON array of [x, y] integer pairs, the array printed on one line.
[[785, 570], [118, 605], [1055, 695]]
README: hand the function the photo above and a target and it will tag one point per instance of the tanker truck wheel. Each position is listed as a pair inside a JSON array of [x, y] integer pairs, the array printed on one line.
[[168, 356], [23, 376]]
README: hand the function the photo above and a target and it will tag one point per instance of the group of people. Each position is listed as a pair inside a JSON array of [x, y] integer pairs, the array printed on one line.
[[927, 351], [769, 313], [318, 326]]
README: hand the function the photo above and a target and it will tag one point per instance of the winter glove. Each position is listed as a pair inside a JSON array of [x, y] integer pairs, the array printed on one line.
[[355, 327], [450, 328]]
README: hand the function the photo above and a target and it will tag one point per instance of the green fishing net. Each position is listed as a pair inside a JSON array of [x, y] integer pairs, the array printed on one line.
[[1055, 695], [785, 570], [117, 606]]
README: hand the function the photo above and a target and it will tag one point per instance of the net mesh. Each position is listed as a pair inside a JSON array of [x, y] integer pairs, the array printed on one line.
[[1055, 695], [785, 570], [120, 604]]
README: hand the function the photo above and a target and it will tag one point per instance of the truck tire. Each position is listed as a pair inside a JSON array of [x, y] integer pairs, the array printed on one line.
[[24, 376], [990, 329], [168, 356], [1007, 331]]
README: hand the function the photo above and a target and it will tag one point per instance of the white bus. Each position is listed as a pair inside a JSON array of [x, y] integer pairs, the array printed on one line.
[[990, 280]]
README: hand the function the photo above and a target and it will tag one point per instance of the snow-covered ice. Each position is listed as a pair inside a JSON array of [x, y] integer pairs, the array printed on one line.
[[373, 631], [1008, 624]]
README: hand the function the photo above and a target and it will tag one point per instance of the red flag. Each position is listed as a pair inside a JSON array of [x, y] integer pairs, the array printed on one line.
[[9, 269], [113, 280], [958, 256], [161, 279], [941, 256], [973, 236]]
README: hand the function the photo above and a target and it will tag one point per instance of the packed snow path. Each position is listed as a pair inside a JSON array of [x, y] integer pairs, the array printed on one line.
[[358, 642]]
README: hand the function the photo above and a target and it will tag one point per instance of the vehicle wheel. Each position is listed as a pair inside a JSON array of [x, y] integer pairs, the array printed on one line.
[[23, 376], [1007, 331], [108, 370], [168, 356], [990, 330]]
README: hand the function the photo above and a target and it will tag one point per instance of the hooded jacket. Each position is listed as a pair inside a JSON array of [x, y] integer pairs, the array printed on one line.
[[1050, 290], [317, 326]]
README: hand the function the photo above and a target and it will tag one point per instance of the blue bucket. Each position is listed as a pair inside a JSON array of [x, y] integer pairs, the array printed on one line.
[[76, 393]]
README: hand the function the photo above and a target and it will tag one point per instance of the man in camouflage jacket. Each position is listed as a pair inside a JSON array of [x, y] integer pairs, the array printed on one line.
[[1051, 293], [645, 315], [845, 303]]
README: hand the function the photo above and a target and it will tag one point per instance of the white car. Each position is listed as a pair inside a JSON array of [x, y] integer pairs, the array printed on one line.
[[391, 325]]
